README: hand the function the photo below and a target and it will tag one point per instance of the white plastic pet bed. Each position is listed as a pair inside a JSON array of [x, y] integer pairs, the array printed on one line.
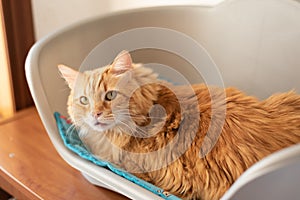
[[250, 44]]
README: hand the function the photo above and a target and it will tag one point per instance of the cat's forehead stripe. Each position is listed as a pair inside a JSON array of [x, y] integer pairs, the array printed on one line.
[[101, 79], [95, 79]]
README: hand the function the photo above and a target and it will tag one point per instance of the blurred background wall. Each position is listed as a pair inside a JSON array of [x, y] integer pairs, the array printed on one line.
[[51, 15], [27, 21]]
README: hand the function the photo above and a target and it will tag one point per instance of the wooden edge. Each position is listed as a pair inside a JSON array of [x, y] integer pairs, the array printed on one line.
[[12, 186], [18, 115]]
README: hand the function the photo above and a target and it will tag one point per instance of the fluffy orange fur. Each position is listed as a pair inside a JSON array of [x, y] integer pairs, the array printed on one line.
[[252, 129]]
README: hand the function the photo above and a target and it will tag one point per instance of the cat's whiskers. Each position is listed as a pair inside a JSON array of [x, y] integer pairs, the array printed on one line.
[[71, 129], [122, 129], [135, 116], [75, 126], [144, 133], [108, 118], [125, 130], [79, 121], [131, 129], [140, 131], [136, 131]]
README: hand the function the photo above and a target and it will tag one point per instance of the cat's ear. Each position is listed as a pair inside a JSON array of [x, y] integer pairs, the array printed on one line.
[[122, 63], [69, 74]]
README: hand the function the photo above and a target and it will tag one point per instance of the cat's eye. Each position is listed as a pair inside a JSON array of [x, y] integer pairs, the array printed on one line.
[[84, 100], [110, 95]]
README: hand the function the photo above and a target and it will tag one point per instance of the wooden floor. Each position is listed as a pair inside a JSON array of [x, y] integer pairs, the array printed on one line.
[[30, 167]]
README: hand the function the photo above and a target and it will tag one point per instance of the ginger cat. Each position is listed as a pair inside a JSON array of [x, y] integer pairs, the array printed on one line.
[[115, 109]]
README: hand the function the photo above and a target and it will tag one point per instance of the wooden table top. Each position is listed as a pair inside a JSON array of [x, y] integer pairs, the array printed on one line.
[[30, 167]]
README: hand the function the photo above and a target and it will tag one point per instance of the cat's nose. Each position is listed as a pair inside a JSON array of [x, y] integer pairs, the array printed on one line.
[[97, 114]]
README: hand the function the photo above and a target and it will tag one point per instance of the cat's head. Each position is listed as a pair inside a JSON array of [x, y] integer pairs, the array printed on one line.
[[111, 96]]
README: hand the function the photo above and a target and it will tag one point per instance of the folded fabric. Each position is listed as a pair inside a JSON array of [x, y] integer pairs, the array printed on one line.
[[72, 141]]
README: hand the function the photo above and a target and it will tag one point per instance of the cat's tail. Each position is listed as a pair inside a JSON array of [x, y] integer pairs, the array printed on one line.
[[284, 110], [285, 102]]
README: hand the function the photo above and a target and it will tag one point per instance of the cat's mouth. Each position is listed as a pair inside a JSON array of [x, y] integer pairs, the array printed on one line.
[[100, 124]]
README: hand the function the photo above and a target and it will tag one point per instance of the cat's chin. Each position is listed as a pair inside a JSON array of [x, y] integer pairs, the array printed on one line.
[[98, 126]]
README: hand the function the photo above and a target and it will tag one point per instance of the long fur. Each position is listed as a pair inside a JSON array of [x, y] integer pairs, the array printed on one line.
[[252, 130]]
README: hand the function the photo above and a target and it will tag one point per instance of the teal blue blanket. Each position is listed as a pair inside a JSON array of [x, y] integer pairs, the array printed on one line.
[[73, 142]]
